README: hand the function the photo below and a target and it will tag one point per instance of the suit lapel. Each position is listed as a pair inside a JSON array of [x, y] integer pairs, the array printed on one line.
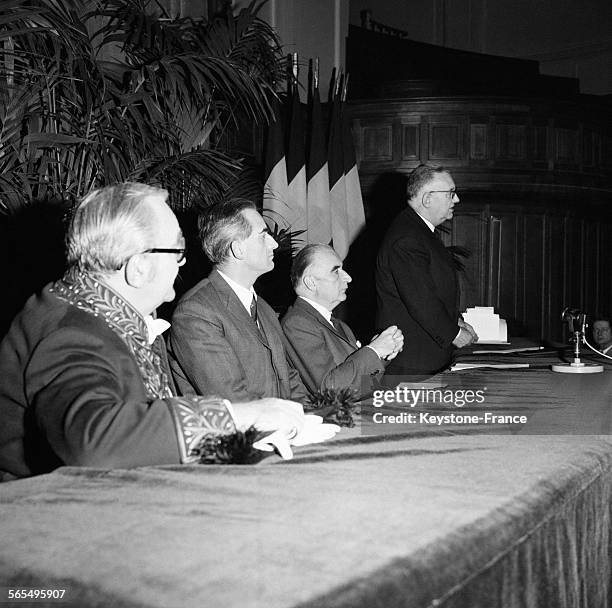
[[434, 240], [273, 341], [317, 317], [437, 248], [267, 318], [235, 308]]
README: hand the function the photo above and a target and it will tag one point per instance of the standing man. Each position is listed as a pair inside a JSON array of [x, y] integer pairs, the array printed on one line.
[[416, 280], [225, 340], [322, 348], [83, 379]]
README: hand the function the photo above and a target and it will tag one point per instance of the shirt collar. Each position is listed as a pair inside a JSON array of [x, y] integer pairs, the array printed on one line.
[[244, 295], [326, 314], [155, 327], [429, 224]]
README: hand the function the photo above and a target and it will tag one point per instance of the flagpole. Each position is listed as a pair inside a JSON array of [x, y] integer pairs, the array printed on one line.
[[296, 157]]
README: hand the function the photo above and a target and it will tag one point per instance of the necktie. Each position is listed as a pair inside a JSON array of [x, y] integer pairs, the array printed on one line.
[[254, 316], [338, 327]]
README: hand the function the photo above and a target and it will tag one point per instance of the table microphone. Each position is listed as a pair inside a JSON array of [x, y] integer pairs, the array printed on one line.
[[576, 321]]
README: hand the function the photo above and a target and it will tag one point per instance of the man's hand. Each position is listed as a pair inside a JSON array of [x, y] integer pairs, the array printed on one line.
[[467, 326], [388, 343], [286, 423], [313, 431], [269, 415], [465, 338]]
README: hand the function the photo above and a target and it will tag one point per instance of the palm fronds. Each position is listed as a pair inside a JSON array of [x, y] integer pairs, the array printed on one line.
[[98, 91]]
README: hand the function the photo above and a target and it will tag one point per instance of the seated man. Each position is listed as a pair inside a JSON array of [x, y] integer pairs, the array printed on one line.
[[81, 382], [225, 340], [324, 349], [602, 334]]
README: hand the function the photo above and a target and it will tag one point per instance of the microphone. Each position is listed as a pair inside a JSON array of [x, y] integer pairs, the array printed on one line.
[[577, 324]]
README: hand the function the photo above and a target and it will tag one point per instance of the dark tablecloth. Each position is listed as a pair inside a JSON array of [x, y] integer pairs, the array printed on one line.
[[431, 516]]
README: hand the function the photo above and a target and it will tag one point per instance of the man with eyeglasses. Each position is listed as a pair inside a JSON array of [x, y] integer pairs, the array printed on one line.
[[84, 379], [416, 279]]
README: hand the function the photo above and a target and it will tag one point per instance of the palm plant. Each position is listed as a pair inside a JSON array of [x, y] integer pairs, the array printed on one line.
[[98, 91]]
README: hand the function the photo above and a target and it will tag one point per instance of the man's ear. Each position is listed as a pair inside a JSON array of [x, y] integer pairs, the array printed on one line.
[[426, 199], [137, 271], [309, 282], [237, 249]]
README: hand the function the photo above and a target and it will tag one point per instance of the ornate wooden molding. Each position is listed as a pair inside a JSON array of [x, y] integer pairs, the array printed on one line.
[[489, 141]]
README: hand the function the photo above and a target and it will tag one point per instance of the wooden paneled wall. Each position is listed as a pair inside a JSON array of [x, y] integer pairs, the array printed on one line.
[[530, 261], [536, 196], [546, 144]]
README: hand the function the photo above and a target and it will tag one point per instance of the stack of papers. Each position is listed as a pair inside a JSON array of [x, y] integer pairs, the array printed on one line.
[[489, 327]]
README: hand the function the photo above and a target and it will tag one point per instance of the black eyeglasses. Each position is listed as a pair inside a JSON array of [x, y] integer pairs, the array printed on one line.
[[450, 192], [180, 253]]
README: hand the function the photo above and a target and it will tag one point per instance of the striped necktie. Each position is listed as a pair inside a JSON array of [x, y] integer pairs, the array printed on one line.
[[255, 317], [254, 310]]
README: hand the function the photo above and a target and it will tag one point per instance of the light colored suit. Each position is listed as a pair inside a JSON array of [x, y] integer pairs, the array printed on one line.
[[326, 356], [216, 348]]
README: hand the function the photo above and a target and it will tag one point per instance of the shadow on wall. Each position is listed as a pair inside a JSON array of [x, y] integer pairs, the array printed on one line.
[[274, 287], [31, 255], [197, 265], [383, 202]]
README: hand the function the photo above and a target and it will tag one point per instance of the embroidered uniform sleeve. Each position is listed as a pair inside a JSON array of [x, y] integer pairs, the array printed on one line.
[[197, 421]]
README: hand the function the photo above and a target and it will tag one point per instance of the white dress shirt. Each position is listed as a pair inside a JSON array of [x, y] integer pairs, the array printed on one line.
[[244, 295], [155, 327], [326, 314], [427, 222]]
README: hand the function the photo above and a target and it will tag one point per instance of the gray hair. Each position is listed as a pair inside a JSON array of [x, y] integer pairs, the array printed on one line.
[[110, 225], [420, 177], [304, 259], [221, 225]]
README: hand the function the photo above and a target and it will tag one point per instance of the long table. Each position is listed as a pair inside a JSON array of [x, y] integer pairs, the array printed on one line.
[[385, 515]]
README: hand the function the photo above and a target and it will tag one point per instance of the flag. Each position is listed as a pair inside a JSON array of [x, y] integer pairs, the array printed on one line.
[[275, 196], [354, 200], [296, 163], [317, 175], [337, 185]]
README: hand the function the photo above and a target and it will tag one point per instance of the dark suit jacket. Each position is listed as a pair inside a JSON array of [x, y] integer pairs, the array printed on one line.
[[326, 357], [417, 290], [216, 348]]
